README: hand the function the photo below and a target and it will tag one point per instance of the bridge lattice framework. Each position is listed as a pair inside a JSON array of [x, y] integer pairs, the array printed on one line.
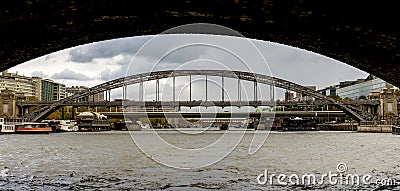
[[157, 75]]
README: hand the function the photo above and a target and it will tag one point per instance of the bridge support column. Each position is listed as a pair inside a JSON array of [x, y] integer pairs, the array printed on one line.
[[255, 90], [26, 111], [124, 90], [123, 93], [206, 89], [73, 113], [190, 88], [239, 91], [20, 111], [173, 89], [107, 95], [62, 113], [272, 92], [223, 90], [141, 91], [173, 92], [157, 90]]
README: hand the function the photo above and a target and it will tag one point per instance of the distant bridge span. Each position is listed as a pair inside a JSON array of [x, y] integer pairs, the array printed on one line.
[[240, 75], [194, 103], [136, 115]]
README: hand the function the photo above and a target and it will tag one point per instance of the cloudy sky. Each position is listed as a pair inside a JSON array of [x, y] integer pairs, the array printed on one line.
[[95, 63]]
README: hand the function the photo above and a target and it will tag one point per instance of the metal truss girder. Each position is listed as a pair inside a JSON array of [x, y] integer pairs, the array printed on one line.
[[247, 76]]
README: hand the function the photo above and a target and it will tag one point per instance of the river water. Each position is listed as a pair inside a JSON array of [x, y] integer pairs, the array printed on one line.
[[112, 161]]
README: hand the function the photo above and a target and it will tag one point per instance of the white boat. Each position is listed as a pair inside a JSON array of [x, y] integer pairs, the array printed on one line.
[[62, 125], [16, 125], [32, 127], [7, 129], [92, 121], [7, 125]]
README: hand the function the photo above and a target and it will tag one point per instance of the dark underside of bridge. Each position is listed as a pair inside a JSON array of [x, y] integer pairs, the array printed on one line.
[[363, 34]]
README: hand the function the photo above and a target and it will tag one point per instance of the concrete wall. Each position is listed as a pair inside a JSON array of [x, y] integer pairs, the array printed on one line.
[[375, 129]]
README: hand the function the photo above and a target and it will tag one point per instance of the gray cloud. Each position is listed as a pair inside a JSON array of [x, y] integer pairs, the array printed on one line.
[[107, 74], [306, 68], [106, 49], [290, 63], [68, 74], [39, 74]]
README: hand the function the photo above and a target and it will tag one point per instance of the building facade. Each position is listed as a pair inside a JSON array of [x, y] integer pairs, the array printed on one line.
[[42, 89], [355, 91], [59, 91], [47, 90], [301, 97], [18, 83], [357, 88]]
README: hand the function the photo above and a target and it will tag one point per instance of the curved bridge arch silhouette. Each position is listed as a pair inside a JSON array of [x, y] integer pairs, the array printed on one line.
[[240, 75], [363, 34]]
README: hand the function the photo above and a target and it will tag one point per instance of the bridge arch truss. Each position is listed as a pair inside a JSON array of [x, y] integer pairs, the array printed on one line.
[[157, 75]]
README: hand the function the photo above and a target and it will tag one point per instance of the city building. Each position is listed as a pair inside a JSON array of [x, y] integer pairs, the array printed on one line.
[[357, 88], [300, 97], [289, 96], [18, 83], [52, 91], [47, 90], [331, 90], [363, 89], [42, 89], [59, 91]]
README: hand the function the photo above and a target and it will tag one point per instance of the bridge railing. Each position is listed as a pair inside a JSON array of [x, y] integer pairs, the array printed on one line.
[[376, 123]]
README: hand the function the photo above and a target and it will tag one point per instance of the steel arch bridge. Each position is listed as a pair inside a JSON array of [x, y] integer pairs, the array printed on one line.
[[157, 75], [364, 34]]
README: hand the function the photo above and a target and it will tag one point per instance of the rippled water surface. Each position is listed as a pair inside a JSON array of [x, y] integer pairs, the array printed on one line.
[[111, 161]]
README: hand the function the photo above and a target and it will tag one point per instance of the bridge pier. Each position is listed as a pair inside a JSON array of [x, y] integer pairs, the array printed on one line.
[[157, 90], [223, 90], [206, 89], [73, 113], [255, 90], [173, 90], [239, 91], [272, 92], [141, 90], [62, 113]]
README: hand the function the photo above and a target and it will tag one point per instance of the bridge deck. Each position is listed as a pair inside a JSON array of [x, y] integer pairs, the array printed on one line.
[[224, 114]]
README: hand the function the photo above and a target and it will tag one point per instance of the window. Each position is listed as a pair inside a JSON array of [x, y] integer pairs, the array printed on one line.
[[5, 108]]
